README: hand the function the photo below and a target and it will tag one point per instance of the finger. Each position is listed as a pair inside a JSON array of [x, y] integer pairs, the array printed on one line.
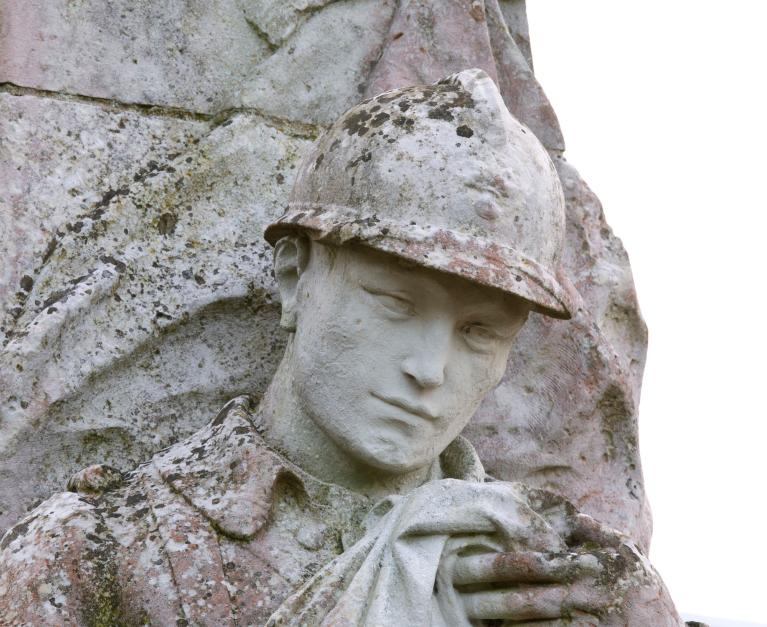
[[524, 567], [532, 603], [532, 533], [586, 530]]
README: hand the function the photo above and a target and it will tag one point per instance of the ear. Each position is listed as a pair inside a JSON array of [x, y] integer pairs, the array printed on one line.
[[291, 256]]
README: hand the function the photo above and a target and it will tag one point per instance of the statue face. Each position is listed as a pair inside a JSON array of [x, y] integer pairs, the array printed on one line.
[[392, 360]]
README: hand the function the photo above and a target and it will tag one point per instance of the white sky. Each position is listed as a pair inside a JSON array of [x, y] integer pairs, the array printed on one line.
[[663, 104]]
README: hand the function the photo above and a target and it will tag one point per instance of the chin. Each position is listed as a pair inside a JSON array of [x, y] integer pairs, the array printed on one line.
[[393, 467], [395, 462]]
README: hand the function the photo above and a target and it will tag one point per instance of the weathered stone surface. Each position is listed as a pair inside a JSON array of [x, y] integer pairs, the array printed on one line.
[[157, 307], [313, 77], [191, 55], [138, 297], [429, 39], [112, 374], [492, 212], [59, 157], [515, 16], [220, 530], [564, 418]]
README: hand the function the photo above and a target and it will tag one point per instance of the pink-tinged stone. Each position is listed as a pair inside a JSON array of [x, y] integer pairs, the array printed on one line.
[[125, 332]]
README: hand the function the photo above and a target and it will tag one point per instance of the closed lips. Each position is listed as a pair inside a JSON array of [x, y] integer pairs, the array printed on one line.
[[413, 408]]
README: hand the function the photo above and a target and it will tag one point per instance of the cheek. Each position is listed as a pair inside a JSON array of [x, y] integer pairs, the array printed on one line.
[[337, 342], [478, 374]]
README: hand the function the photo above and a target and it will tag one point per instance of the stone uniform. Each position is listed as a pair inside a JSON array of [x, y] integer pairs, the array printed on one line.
[[216, 530]]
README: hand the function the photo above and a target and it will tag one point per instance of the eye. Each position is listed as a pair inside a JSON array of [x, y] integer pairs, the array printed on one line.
[[479, 337], [393, 304]]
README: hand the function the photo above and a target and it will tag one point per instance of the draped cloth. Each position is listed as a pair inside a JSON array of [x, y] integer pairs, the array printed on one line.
[[400, 571]]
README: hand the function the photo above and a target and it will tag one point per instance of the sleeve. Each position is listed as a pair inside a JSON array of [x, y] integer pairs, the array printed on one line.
[[55, 567]]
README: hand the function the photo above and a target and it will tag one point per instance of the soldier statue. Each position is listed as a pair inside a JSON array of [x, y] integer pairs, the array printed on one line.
[[423, 228]]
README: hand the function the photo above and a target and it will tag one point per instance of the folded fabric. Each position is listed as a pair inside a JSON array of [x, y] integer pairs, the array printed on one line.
[[400, 571]]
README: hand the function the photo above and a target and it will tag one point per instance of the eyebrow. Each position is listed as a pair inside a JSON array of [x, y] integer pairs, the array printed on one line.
[[376, 289]]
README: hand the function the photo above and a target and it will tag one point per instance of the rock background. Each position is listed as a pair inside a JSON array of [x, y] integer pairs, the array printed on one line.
[[144, 148]]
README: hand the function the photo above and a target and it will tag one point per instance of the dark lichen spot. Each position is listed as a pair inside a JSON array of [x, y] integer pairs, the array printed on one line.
[[57, 296], [365, 156], [464, 131], [15, 532], [318, 161], [441, 112], [386, 98], [379, 119], [26, 283], [166, 224], [199, 452], [370, 221], [119, 265], [280, 178], [355, 124], [49, 249], [98, 210], [221, 416], [404, 122]]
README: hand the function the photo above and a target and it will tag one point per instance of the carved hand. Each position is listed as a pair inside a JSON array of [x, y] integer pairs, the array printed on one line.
[[601, 580]]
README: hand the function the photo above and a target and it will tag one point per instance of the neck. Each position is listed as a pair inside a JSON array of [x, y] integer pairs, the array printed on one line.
[[290, 430]]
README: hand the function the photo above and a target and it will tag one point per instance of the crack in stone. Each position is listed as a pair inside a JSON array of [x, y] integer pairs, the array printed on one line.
[[107, 103], [302, 130], [262, 35]]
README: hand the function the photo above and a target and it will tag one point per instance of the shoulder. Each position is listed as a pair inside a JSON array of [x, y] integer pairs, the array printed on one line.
[[70, 550], [61, 564], [234, 424], [40, 561], [225, 439], [225, 471], [47, 525]]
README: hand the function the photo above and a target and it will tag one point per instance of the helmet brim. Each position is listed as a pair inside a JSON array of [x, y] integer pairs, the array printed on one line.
[[476, 259]]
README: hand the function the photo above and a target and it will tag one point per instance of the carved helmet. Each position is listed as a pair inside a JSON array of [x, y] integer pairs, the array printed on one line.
[[444, 176]]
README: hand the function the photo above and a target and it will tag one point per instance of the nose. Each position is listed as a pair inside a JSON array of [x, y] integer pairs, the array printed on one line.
[[426, 361]]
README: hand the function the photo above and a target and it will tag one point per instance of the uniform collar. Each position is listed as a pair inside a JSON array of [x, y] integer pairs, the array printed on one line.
[[226, 471], [229, 474]]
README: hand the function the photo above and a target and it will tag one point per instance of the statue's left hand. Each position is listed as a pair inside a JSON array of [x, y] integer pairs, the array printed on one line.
[[602, 580]]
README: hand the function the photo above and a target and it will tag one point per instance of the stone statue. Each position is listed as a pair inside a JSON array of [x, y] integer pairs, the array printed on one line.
[[146, 150], [422, 230]]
